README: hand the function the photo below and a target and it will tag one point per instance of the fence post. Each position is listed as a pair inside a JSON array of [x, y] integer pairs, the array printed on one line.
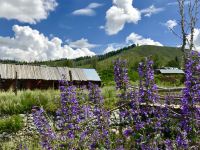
[[0, 82], [70, 75], [15, 87]]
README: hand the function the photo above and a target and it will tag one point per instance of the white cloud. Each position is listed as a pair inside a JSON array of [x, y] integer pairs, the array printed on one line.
[[133, 38], [138, 39], [170, 24], [84, 12], [29, 45], [28, 11], [114, 47], [94, 5], [151, 10], [82, 43], [87, 11], [196, 39], [110, 48], [119, 14]]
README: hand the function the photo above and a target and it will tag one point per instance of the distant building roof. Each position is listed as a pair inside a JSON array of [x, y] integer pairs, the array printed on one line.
[[8, 71], [91, 75], [170, 70]]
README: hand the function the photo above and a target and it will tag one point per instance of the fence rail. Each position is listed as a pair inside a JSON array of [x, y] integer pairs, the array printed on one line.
[[164, 89]]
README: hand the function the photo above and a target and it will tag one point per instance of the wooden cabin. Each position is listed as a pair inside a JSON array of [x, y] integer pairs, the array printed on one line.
[[43, 77]]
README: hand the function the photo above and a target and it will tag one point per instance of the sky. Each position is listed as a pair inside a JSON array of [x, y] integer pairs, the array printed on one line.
[[53, 29]]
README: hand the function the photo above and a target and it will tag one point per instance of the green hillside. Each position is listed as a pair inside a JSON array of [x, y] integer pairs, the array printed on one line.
[[132, 54], [162, 56]]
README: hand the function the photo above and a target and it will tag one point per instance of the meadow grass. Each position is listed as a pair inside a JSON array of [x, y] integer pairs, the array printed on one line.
[[110, 97], [11, 124], [29, 142], [23, 102]]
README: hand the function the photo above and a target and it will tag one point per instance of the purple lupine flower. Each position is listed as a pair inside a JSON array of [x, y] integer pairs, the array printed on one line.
[[121, 74], [46, 132], [191, 98], [182, 141], [151, 116], [101, 133], [69, 115], [95, 94], [122, 84], [120, 148], [168, 144], [147, 86], [128, 132]]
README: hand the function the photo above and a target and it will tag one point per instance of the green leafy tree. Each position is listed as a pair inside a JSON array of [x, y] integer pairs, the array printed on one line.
[[174, 63]]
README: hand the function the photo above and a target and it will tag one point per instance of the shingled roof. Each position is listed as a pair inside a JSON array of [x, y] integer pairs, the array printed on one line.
[[8, 71], [170, 70]]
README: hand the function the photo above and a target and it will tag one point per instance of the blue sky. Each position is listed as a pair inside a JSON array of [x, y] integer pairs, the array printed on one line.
[[54, 29]]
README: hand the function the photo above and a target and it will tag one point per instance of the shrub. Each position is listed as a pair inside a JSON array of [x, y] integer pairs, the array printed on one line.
[[11, 124]]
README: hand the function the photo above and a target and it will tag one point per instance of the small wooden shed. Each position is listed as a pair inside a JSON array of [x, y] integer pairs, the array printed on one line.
[[43, 77], [169, 71]]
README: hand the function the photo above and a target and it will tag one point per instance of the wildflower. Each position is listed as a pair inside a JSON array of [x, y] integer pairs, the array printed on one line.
[[128, 132], [191, 98], [101, 133], [46, 132], [121, 74]]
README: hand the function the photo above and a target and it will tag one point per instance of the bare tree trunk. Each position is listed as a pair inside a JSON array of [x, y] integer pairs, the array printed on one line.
[[182, 23], [188, 22], [193, 12]]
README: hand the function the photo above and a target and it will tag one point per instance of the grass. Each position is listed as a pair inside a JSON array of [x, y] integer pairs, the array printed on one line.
[[29, 142], [110, 97], [11, 104], [11, 124], [22, 103]]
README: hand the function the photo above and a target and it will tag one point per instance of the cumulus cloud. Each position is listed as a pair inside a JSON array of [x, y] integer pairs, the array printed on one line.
[[82, 43], [170, 24], [196, 39], [87, 11], [151, 10], [29, 45], [133, 38], [110, 48], [28, 11], [138, 39], [119, 14], [114, 47]]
